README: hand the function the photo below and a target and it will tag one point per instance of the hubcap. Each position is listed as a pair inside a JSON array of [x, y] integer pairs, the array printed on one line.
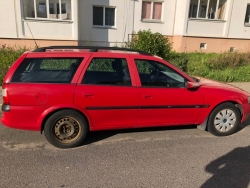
[[225, 120], [67, 129]]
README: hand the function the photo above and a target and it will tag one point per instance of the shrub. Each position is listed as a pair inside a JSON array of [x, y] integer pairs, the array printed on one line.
[[8, 56], [180, 60], [228, 60], [153, 43]]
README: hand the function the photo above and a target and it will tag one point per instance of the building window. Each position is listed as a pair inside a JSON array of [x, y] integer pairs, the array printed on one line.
[[151, 10], [247, 18], [103, 16], [203, 46], [207, 9], [47, 9]]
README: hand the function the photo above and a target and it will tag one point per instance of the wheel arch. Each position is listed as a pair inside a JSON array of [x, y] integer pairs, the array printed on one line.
[[203, 126], [59, 109]]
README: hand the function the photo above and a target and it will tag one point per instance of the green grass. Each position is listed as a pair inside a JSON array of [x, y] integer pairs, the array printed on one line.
[[226, 67]]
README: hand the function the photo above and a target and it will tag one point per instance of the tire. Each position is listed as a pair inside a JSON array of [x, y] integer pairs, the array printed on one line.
[[224, 120], [66, 129]]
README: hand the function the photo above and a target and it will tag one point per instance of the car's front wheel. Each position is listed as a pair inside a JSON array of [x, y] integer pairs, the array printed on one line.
[[224, 120], [66, 129]]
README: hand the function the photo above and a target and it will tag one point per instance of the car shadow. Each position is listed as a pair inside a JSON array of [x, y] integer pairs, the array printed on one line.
[[230, 170], [96, 136]]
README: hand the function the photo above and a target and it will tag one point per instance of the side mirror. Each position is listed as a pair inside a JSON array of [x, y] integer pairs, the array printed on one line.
[[193, 85]]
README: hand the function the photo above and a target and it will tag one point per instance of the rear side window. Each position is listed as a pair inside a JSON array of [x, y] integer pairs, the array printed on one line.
[[107, 71], [47, 70]]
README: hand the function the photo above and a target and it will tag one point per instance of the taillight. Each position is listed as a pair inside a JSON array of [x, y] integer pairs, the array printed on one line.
[[5, 94]]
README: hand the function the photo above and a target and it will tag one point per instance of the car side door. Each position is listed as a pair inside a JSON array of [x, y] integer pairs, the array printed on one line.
[[164, 98], [106, 92]]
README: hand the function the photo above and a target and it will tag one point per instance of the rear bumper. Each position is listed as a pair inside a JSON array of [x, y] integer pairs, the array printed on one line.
[[22, 117]]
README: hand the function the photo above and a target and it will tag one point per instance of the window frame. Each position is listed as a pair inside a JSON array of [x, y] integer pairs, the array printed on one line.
[[207, 11], [247, 23], [47, 9], [104, 17], [152, 11]]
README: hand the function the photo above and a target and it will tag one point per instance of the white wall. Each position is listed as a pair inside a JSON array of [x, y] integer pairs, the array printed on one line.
[[166, 27], [232, 26], [7, 19], [17, 26], [98, 35], [206, 28], [181, 16], [237, 27], [210, 27]]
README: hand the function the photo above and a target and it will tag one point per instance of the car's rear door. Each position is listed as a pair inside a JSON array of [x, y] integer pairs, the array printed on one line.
[[164, 99], [105, 91]]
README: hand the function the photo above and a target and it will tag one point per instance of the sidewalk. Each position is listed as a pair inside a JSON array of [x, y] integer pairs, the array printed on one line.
[[242, 85]]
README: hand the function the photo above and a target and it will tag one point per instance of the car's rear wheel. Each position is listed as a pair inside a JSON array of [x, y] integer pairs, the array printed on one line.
[[66, 129], [224, 120]]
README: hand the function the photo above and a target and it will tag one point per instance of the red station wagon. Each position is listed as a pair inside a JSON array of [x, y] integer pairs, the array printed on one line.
[[67, 91]]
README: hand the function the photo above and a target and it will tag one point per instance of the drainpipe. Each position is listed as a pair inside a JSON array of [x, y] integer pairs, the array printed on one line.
[[15, 11], [174, 19], [230, 19], [174, 16], [133, 18]]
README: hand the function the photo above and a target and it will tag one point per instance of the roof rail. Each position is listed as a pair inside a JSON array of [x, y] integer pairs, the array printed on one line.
[[91, 49]]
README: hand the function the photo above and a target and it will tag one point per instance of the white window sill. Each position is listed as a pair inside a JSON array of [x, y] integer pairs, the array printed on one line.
[[206, 20], [104, 27], [152, 21], [47, 20], [247, 24]]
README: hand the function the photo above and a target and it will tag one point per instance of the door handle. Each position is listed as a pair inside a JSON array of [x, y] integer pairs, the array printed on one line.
[[88, 94], [148, 96]]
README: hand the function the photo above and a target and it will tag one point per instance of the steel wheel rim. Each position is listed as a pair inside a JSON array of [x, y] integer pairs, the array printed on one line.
[[225, 120], [67, 129]]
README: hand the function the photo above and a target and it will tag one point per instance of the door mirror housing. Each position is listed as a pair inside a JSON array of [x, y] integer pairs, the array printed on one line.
[[193, 85]]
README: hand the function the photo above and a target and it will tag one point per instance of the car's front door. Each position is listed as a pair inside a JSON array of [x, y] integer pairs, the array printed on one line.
[[107, 94], [164, 99]]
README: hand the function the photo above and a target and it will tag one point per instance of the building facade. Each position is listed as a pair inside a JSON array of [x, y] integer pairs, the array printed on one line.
[[192, 25]]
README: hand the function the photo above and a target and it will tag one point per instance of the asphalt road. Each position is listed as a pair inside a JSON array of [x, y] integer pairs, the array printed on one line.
[[159, 157]]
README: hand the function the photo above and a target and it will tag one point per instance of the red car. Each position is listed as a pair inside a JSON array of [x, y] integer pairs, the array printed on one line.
[[67, 91]]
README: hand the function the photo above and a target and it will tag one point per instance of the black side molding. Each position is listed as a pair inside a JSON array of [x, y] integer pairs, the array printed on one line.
[[5, 108]]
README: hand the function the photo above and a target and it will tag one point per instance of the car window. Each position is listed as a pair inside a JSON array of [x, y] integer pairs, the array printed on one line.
[[47, 70], [153, 73], [107, 71]]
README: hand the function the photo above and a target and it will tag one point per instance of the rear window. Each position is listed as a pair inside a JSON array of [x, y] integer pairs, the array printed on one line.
[[47, 70]]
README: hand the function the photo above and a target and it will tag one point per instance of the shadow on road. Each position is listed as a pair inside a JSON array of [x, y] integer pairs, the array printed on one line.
[[230, 170], [101, 135]]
